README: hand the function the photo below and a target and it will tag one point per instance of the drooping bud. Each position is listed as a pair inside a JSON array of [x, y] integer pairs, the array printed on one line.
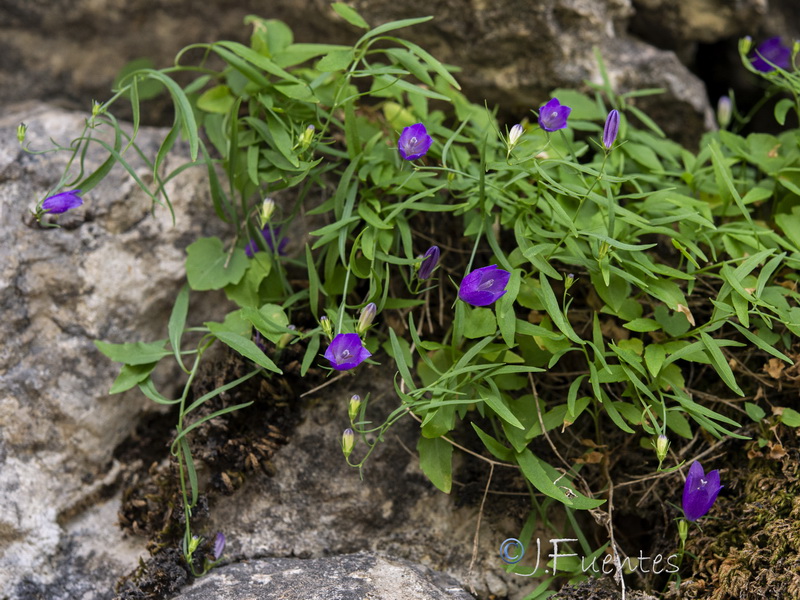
[[306, 137], [514, 135], [611, 129], [326, 325], [662, 447], [723, 111], [22, 129], [287, 337], [367, 316], [353, 407], [219, 545], [348, 442], [429, 262], [267, 208]]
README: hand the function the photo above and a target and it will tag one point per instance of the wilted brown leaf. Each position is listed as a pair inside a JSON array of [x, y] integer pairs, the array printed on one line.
[[774, 368]]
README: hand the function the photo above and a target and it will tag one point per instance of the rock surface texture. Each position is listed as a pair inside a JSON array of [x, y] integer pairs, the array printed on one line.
[[348, 577], [110, 272], [512, 53]]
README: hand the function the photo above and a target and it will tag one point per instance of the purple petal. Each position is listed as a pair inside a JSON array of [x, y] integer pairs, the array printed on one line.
[[268, 234], [346, 352], [414, 142], [771, 52], [553, 115], [484, 286], [61, 203], [219, 545], [429, 262], [700, 491]]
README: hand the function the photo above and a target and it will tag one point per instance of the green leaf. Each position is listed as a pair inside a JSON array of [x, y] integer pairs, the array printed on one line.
[[436, 461], [654, 356], [642, 325], [781, 108], [479, 323], [177, 321], [218, 99], [244, 346], [719, 363], [209, 267], [130, 376], [790, 417], [134, 353], [498, 406], [497, 449], [349, 15], [754, 411], [533, 471], [336, 61]]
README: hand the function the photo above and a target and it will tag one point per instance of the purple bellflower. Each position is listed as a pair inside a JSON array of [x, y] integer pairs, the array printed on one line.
[[553, 115], [346, 352], [700, 491], [61, 203], [483, 286], [429, 262], [771, 53], [611, 129], [269, 234], [414, 142]]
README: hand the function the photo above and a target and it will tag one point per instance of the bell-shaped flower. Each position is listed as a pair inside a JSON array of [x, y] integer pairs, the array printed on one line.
[[771, 53], [553, 115], [483, 286], [61, 203], [700, 491], [346, 352], [414, 142]]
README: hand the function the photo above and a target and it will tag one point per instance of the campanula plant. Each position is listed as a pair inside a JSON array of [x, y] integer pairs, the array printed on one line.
[[615, 268]]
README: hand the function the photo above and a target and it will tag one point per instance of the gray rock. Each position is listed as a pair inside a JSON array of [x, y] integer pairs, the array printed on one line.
[[348, 577], [317, 506], [511, 53], [111, 272]]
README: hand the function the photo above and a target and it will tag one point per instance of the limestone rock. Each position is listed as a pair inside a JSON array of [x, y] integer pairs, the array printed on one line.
[[347, 577], [110, 272], [511, 53]]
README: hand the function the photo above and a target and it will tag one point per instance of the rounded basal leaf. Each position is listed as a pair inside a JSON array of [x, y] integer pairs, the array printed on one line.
[[210, 267]]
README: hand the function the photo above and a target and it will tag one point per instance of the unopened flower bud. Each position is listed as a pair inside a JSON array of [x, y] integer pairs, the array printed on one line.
[[723, 111], [353, 407], [193, 544], [96, 106], [219, 545], [286, 337], [367, 316], [267, 208], [569, 281], [745, 44], [683, 531], [306, 137], [22, 129], [429, 262], [514, 135], [348, 442], [327, 327], [662, 447], [611, 129]]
